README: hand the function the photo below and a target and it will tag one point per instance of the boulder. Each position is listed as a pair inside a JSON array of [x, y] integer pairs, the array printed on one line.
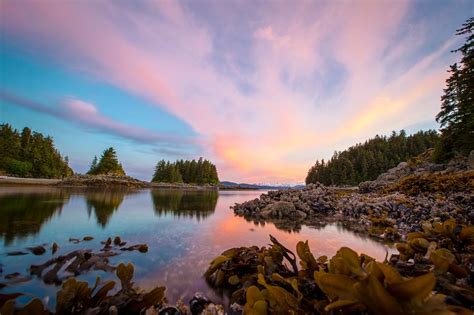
[[278, 209]]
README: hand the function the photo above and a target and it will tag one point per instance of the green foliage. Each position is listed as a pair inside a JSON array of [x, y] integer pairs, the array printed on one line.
[[457, 103], [19, 168], [30, 154], [195, 172], [108, 164], [366, 161]]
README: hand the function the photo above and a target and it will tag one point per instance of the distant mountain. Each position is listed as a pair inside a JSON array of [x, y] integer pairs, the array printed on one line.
[[232, 185]]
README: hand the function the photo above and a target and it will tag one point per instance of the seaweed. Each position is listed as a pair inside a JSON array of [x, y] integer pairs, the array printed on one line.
[[264, 280], [76, 297]]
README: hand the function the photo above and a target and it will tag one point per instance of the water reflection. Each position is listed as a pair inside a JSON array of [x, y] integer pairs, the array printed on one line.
[[194, 204], [23, 214], [184, 231], [104, 203]]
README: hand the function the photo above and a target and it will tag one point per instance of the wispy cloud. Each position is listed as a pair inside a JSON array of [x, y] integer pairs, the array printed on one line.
[[269, 88], [88, 116]]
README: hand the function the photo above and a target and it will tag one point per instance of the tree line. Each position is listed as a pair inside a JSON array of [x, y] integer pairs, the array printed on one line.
[[456, 118], [365, 161], [30, 154], [184, 171]]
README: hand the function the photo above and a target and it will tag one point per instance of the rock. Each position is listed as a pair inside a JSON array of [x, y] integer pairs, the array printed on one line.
[[16, 253], [142, 248], [198, 303], [364, 187], [38, 250], [470, 160], [281, 207], [113, 310], [104, 181], [12, 275], [300, 215], [170, 310], [117, 240], [54, 248]]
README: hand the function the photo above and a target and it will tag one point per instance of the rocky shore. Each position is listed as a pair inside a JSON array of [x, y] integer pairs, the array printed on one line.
[[103, 181], [401, 199], [426, 209]]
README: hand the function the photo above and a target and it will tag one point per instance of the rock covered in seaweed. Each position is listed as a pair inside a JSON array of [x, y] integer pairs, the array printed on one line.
[[398, 204], [420, 165], [268, 281]]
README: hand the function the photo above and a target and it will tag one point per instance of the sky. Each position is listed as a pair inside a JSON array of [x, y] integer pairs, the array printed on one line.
[[261, 88]]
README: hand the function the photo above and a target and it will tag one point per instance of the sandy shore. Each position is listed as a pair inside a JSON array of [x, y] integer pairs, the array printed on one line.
[[6, 180]]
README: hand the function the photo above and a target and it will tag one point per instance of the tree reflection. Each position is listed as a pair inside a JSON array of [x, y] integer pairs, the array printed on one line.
[[104, 203], [185, 203], [23, 214]]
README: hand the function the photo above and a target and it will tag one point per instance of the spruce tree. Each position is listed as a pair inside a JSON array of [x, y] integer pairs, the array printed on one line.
[[456, 117], [365, 161], [30, 154], [108, 164], [93, 167], [191, 172]]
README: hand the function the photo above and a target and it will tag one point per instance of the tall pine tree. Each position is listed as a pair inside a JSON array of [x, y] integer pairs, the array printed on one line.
[[456, 117]]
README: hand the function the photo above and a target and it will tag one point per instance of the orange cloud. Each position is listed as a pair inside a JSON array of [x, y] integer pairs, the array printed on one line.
[[274, 130]]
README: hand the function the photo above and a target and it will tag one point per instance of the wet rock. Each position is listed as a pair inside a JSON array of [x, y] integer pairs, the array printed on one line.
[[12, 275], [117, 240], [38, 250], [198, 303], [170, 310], [17, 253], [54, 248], [74, 240], [142, 248]]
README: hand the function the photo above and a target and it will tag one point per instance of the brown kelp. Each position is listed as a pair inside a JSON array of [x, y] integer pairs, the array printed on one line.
[[268, 280], [76, 297]]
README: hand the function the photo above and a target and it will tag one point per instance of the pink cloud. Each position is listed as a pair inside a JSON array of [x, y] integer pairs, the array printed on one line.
[[87, 115], [164, 53]]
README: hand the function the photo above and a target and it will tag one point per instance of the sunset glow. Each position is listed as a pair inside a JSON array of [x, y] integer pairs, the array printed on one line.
[[263, 89]]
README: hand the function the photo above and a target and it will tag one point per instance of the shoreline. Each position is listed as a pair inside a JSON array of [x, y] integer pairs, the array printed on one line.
[[20, 181], [105, 181]]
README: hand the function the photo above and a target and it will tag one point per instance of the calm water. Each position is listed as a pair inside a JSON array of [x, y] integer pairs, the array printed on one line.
[[184, 230]]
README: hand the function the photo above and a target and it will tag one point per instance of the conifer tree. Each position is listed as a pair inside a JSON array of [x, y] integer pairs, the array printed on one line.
[[93, 167], [192, 172], [108, 164], [30, 154], [456, 117], [365, 161]]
